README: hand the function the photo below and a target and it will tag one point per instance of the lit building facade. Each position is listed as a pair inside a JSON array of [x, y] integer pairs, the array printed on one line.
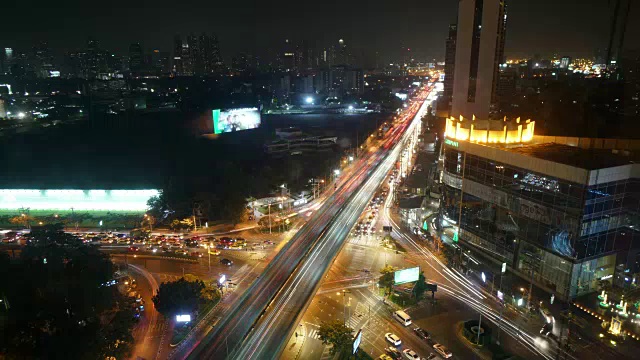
[[563, 212]]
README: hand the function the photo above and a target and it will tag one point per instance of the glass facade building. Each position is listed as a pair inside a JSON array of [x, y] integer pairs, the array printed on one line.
[[562, 215]]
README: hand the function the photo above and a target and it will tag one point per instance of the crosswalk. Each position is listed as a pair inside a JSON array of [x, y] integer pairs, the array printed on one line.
[[313, 334], [168, 277]]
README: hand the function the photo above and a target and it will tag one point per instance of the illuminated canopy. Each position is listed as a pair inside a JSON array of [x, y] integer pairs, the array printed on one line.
[[109, 200], [490, 131]]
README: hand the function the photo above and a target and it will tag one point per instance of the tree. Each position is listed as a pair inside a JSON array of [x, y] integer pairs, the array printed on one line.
[[420, 287], [337, 334], [186, 223], [23, 220], [178, 297], [59, 301], [148, 220], [386, 279], [209, 292]]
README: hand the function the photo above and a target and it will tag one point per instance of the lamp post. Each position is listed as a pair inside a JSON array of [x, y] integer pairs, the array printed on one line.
[[209, 253], [344, 305], [269, 216]]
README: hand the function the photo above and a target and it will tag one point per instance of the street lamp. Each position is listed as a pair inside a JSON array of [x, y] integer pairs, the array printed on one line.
[[209, 253], [309, 100]]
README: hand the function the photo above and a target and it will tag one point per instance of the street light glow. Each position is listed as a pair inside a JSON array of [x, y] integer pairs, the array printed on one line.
[[309, 100]]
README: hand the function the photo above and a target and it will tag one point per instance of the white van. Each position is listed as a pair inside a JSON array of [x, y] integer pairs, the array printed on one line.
[[403, 317]]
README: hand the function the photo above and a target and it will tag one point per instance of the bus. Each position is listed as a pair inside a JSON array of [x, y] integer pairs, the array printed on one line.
[[402, 317]]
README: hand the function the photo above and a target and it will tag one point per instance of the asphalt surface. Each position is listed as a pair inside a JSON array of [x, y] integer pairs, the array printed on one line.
[[265, 340], [317, 244]]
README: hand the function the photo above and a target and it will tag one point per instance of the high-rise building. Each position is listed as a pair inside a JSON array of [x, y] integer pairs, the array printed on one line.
[[135, 59], [187, 62], [196, 50], [178, 62], [94, 60], [559, 211], [160, 61], [240, 63], [449, 65], [7, 60], [564, 62], [42, 60], [215, 59], [479, 51], [342, 55], [506, 87], [288, 56]]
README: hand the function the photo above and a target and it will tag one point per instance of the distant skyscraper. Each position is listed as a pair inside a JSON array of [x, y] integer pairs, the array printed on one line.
[[196, 46], [135, 58], [288, 56], [42, 60], [187, 61], [178, 68], [449, 65], [241, 63], [160, 62], [564, 62], [7, 60], [479, 51], [92, 64], [216, 64], [342, 55]]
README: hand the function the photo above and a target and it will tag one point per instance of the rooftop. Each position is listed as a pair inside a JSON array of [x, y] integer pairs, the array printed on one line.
[[588, 159]]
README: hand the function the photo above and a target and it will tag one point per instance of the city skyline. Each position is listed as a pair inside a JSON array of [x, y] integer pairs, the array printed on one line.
[[577, 32]]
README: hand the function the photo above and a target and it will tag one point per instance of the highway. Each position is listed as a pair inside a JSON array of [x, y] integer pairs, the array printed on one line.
[[316, 243], [267, 340]]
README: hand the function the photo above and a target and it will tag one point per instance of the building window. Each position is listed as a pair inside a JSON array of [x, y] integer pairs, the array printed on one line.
[[475, 51]]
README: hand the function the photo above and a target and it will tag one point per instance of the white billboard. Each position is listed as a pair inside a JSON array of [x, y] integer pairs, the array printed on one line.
[[356, 342], [235, 119], [406, 275], [183, 318]]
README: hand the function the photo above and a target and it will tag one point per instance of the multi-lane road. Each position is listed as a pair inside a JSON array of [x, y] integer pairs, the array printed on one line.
[[267, 340], [257, 325]]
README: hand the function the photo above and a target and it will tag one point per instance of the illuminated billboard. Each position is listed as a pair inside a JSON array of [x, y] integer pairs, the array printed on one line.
[[406, 275], [231, 120], [183, 318], [356, 342], [107, 200]]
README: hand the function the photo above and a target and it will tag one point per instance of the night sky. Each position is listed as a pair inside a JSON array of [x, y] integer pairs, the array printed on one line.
[[540, 27]]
